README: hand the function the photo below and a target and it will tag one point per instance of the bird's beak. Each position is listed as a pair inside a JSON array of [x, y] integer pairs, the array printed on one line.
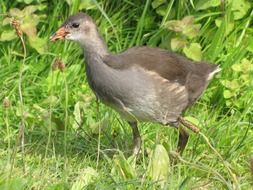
[[59, 34]]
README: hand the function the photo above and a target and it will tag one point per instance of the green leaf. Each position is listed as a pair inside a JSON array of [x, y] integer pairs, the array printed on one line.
[[77, 116], [29, 29], [201, 5], [39, 44], [217, 43], [85, 177], [244, 66], [13, 184], [99, 125], [191, 31], [59, 186], [15, 12], [157, 3], [227, 94], [161, 10], [193, 120], [250, 44], [8, 35], [69, 2], [175, 25], [123, 167], [87, 5], [247, 79], [148, 22], [186, 26], [28, 1], [187, 20], [30, 9], [180, 25], [159, 165], [193, 51], [229, 26], [240, 8], [233, 85], [6, 21], [177, 43], [229, 102]]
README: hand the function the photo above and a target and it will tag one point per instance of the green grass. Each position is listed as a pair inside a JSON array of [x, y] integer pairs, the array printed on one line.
[[62, 122]]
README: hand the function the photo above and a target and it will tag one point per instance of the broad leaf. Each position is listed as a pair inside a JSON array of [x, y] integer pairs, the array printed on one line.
[[186, 26], [87, 5], [244, 66], [201, 5], [250, 44], [159, 166], [191, 31], [177, 43], [85, 177], [157, 3], [77, 116], [30, 9], [161, 10], [229, 26], [123, 167], [8, 35], [193, 51], [193, 120], [29, 29], [233, 85], [240, 8], [15, 12], [39, 44], [175, 25], [7, 21], [227, 94]]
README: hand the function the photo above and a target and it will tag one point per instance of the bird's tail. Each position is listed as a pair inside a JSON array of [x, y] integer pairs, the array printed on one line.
[[215, 71]]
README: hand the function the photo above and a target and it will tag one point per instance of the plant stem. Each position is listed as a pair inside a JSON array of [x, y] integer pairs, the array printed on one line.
[[21, 133], [66, 119], [22, 127]]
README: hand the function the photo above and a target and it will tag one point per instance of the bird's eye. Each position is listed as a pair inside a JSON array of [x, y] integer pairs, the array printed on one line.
[[75, 25]]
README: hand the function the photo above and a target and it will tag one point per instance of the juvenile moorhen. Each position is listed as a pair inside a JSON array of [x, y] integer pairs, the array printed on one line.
[[141, 83]]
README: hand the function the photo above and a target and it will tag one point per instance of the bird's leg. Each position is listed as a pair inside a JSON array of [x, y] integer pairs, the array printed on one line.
[[182, 139], [136, 138]]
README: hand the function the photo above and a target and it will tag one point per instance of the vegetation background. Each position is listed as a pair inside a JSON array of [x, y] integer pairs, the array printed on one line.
[[49, 122]]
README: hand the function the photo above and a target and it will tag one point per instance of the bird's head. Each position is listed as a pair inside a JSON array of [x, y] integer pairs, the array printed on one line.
[[79, 27]]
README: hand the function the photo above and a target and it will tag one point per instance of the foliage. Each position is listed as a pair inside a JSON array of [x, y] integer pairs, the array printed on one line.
[[63, 123], [29, 20]]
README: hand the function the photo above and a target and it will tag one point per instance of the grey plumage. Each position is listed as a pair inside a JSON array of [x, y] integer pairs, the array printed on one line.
[[141, 83]]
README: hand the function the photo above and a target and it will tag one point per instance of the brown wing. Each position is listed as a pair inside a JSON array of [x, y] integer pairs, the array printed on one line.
[[153, 59], [168, 65]]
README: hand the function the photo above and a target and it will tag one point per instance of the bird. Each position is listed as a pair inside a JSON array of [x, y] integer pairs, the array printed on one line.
[[143, 84]]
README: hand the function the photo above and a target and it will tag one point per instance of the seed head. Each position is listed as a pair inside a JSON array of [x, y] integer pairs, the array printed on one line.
[[58, 64], [16, 24], [6, 102]]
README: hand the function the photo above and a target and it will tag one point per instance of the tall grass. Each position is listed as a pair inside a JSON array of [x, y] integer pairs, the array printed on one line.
[[63, 127]]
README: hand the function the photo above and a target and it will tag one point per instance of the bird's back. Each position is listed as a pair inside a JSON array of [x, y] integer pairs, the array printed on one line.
[[194, 76]]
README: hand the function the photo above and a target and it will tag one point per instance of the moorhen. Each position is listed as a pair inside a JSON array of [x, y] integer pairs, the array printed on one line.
[[141, 83]]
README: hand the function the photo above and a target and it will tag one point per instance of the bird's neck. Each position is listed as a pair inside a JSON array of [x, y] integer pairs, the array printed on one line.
[[95, 46]]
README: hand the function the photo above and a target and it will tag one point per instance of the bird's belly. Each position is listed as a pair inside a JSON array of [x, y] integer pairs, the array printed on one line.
[[138, 109], [129, 92], [135, 95]]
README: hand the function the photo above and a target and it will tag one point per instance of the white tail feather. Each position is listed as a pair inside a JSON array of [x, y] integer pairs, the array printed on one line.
[[210, 76]]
